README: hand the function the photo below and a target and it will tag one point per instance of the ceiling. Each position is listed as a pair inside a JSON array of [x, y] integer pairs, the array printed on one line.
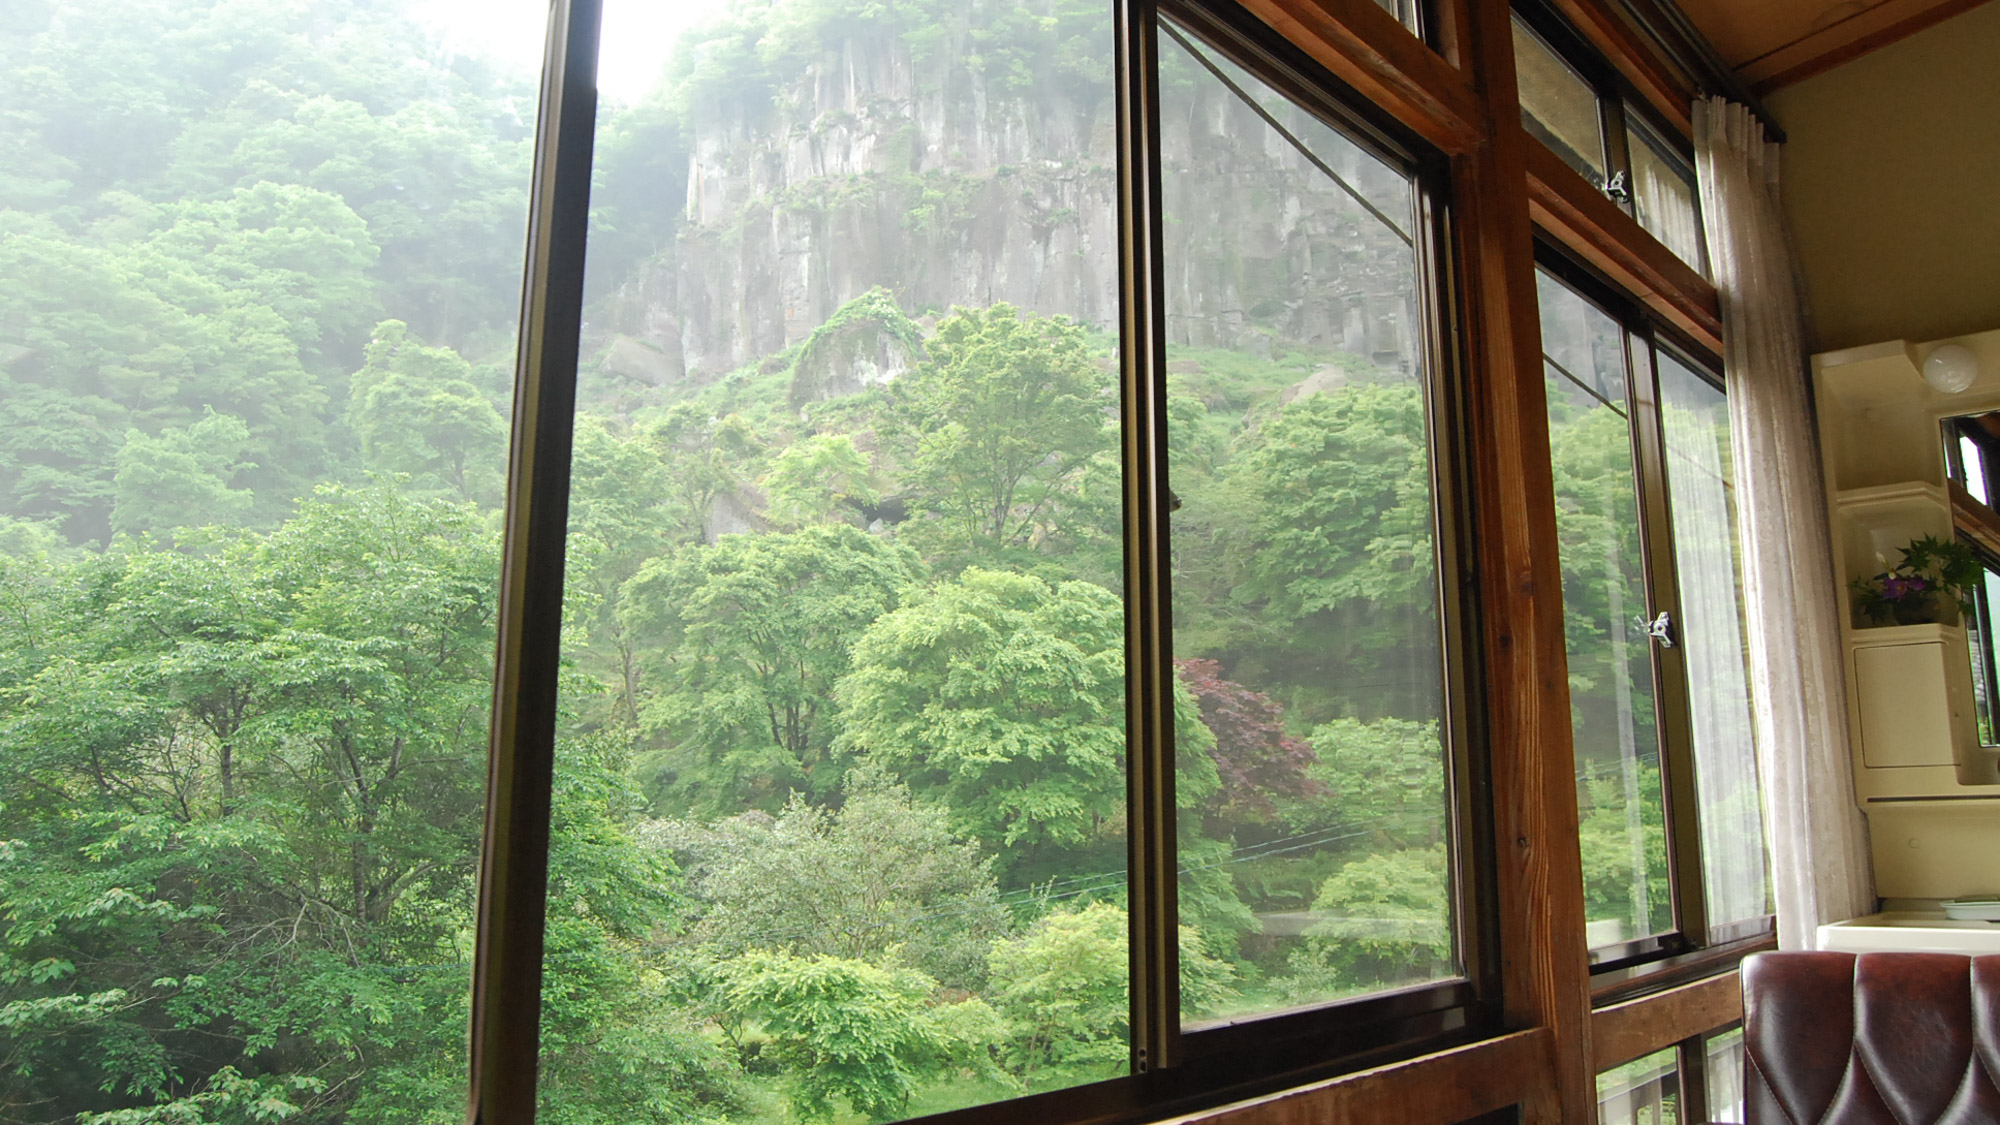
[[1773, 43]]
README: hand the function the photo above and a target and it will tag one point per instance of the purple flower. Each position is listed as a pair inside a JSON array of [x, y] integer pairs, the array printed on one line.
[[1896, 588]]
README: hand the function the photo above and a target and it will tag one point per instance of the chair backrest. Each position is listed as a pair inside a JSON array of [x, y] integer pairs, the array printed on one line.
[[1871, 1039]]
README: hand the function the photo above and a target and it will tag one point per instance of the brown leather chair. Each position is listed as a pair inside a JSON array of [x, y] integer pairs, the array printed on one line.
[[1871, 1039]]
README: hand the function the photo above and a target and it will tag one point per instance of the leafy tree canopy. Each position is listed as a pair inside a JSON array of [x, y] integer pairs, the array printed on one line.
[[743, 643]]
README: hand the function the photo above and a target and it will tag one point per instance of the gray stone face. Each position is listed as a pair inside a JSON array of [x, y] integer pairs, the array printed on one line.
[[863, 173], [848, 358]]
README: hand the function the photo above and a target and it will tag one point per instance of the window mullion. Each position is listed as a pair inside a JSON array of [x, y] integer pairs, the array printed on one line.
[[1149, 673], [1682, 802], [1694, 1079], [513, 876]]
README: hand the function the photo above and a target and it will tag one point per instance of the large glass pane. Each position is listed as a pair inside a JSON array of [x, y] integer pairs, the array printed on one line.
[[845, 565], [1313, 830], [1707, 559], [1725, 1077], [1663, 193], [1558, 105], [1613, 720], [1645, 1091], [259, 273]]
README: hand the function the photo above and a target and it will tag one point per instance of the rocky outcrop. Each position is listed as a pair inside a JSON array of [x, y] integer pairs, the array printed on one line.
[[866, 344], [946, 186]]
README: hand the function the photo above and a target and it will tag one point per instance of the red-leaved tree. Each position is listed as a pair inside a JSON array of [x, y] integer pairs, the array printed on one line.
[[1258, 762]]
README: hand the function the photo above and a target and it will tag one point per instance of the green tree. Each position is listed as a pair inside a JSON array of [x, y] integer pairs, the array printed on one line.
[[617, 1046], [261, 768], [302, 253], [618, 520], [100, 341], [1385, 923], [706, 457], [742, 644], [1383, 781], [1064, 989], [879, 877], [181, 478], [1004, 696], [849, 1030], [1308, 562], [996, 426], [1623, 837], [417, 411], [822, 479]]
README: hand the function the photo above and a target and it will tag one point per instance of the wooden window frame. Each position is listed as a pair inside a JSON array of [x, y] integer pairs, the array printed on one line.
[[1535, 1058], [1621, 109]]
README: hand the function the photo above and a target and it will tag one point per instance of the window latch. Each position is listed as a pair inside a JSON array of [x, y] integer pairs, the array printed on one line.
[[1661, 629], [1616, 189]]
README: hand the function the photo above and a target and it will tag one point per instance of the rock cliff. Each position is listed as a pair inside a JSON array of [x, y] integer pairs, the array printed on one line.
[[945, 185]]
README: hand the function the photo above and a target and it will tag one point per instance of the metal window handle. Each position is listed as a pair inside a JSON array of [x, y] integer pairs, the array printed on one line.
[[1616, 189], [1661, 629]]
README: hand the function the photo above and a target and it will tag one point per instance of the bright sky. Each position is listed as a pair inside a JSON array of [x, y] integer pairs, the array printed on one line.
[[637, 35]]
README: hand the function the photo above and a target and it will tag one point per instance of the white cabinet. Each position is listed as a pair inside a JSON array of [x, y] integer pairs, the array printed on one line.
[[1930, 789]]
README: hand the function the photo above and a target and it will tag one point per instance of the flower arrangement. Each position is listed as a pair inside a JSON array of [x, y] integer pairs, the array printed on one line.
[[1933, 583]]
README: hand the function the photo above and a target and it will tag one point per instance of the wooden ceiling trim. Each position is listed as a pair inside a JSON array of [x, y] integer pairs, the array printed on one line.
[[1601, 233], [1847, 40], [1365, 47]]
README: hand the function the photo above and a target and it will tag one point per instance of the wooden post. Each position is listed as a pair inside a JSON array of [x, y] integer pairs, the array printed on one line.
[[1545, 976]]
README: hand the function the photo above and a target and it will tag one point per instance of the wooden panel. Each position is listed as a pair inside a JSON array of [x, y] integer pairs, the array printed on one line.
[[1432, 1090], [1599, 231], [1365, 47], [1624, 1032], [1544, 976]]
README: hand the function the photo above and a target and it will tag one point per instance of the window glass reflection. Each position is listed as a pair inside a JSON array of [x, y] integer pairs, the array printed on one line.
[[1663, 193], [1645, 1091], [845, 614], [1558, 106], [1314, 856], [1613, 718], [1725, 1077], [1708, 563]]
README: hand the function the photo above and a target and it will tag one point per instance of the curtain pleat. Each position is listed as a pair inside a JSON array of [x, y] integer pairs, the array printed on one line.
[[1819, 844]]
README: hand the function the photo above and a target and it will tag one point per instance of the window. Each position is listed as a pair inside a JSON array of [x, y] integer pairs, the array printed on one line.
[[1697, 1079], [851, 591], [1671, 828], [260, 267], [1723, 1059], [1972, 457], [1645, 1091], [980, 617], [1572, 104], [1309, 621]]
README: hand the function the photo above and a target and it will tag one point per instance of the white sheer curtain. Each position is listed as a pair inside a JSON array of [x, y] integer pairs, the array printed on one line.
[[1820, 864]]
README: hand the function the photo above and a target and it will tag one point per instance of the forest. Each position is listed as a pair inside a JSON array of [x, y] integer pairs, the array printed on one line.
[[840, 825]]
